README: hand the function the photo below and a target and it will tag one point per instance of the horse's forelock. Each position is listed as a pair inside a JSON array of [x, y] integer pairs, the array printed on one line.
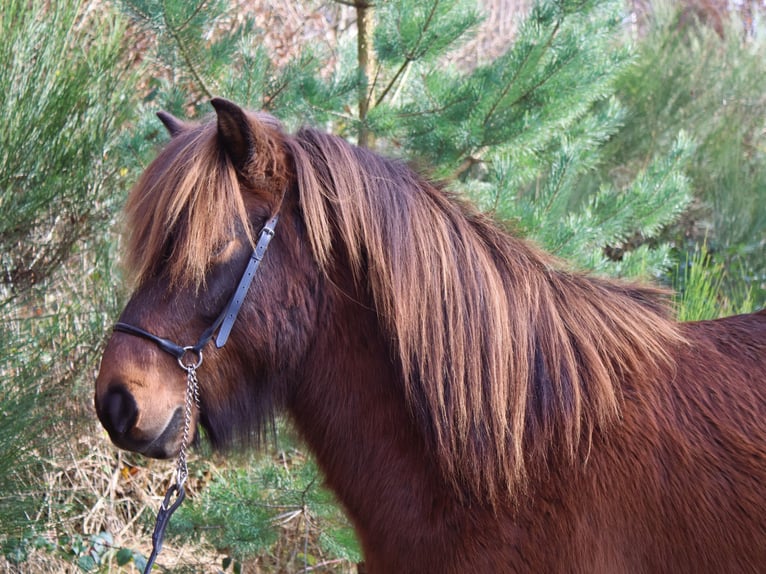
[[189, 202], [501, 352]]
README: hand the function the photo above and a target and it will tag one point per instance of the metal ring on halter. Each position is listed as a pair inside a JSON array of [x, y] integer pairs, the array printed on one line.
[[187, 366]]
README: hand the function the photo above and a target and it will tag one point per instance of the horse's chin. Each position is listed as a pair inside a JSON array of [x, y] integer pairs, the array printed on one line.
[[165, 445]]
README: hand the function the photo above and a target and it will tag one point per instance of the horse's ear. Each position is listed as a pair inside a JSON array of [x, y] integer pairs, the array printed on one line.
[[171, 123], [235, 131]]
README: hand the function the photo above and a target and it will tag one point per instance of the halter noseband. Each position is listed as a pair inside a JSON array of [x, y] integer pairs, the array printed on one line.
[[225, 320]]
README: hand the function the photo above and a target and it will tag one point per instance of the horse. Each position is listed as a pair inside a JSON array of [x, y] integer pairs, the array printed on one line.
[[475, 405]]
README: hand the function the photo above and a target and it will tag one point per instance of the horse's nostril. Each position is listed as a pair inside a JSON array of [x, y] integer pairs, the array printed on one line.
[[118, 410]]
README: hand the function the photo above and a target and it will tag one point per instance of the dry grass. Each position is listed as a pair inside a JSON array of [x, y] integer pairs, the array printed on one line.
[[90, 487]]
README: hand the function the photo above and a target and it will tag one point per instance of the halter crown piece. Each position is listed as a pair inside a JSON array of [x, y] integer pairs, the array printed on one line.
[[223, 324]]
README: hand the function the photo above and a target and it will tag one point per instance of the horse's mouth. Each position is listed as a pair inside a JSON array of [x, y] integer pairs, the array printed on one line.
[[165, 445], [168, 443]]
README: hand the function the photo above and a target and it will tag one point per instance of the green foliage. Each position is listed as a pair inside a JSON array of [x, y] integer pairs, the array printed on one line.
[[688, 77], [202, 49], [699, 283], [521, 134], [63, 96], [561, 62], [606, 233], [246, 509], [421, 32], [93, 553], [58, 130]]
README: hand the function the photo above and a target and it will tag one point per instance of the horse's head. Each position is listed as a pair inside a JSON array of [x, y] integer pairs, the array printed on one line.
[[195, 223]]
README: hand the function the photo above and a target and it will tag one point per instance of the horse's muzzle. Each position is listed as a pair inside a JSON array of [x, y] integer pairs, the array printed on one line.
[[118, 413]]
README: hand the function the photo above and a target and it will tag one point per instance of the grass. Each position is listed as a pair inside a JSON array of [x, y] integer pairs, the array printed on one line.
[[700, 284], [96, 507]]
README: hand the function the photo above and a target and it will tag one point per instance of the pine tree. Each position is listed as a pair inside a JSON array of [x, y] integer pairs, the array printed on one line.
[[521, 132], [708, 80]]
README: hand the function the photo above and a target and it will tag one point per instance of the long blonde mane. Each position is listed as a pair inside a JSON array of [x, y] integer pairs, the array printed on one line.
[[502, 354]]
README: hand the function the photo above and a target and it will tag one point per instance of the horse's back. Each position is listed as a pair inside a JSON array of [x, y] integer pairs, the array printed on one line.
[[712, 449], [678, 485]]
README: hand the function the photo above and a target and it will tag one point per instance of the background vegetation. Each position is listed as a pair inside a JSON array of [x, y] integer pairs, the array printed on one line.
[[630, 140]]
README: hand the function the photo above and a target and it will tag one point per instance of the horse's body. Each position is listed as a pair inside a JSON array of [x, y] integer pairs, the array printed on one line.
[[473, 408], [677, 485]]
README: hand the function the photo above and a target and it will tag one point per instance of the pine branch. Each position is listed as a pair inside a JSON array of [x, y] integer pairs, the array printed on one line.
[[507, 88], [174, 34], [411, 55]]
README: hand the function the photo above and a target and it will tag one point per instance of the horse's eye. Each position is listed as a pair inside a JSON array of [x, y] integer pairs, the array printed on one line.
[[224, 251]]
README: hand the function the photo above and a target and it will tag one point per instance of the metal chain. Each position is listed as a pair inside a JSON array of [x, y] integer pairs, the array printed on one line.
[[168, 506], [191, 400]]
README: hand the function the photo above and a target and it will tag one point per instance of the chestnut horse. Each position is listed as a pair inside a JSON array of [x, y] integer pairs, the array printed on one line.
[[474, 406]]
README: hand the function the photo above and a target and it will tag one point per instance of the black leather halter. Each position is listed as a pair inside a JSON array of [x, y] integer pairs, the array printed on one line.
[[225, 320]]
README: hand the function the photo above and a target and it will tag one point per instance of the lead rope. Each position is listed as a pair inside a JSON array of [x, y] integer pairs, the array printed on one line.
[[168, 506]]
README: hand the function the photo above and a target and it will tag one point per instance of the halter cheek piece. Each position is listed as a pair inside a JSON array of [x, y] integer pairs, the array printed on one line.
[[225, 320]]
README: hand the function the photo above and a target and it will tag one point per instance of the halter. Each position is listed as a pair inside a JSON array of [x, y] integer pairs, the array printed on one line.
[[223, 324], [227, 317]]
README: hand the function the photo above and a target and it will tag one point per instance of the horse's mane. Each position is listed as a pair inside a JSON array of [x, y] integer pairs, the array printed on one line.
[[503, 355]]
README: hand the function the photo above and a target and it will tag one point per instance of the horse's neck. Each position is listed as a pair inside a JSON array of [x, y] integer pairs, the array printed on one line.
[[351, 410]]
